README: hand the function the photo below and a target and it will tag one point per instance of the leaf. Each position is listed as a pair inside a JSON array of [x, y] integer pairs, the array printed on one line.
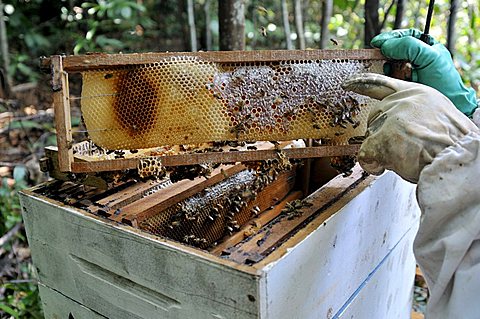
[[126, 12], [138, 6], [89, 35], [76, 121], [51, 140], [103, 42], [9, 310], [19, 124], [23, 68], [29, 40], [77, 48], [87, 5]]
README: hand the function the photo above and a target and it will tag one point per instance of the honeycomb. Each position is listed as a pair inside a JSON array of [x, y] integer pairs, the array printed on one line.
[[185, 100], [151, 166], [201, 219], [219, 210]]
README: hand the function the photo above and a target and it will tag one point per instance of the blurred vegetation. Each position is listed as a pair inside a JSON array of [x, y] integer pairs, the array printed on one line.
[[45, 27], [19, 296]]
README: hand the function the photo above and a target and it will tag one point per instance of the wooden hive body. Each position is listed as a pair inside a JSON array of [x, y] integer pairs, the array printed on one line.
[[348, 254]]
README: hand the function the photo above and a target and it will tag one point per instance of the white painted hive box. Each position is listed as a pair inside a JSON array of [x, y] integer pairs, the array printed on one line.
[[351, 260]]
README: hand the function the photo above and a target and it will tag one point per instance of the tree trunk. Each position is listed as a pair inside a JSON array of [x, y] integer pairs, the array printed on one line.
[[372, 23], [231, 18], [327, 10], [451, 34], [208, 31], [299, 24], [286, 25], [191, 26], [305, 5], [253, 13], [4, 51], [399, 14]]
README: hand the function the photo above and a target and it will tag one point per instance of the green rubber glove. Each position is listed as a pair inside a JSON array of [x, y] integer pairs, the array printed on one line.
[[432, 65]]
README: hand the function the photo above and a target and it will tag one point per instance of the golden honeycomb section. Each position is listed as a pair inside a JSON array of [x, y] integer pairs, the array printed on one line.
[[184, 100], [205, 217], [222, 209]]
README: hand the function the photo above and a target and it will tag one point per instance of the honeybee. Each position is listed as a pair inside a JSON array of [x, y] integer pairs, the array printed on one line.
[[237, 129], [262, 9], [334, 41], [225, 175], [278, 100], [263, 31]]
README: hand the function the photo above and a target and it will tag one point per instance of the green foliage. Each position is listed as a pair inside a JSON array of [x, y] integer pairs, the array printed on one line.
[[21, 68], [9, 204], [23, 301], [120, 17], [20, 297], [46, 27]]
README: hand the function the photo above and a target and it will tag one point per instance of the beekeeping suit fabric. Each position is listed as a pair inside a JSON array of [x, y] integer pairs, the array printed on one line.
[[476, 116], [418, 133], [447, 246]]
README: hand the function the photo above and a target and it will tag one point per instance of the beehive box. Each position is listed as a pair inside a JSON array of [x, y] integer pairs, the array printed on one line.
[[348, 255]]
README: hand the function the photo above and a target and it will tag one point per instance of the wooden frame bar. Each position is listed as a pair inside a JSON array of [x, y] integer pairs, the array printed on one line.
[[217, 157], [80, 63], [63, 122], [138, 211]]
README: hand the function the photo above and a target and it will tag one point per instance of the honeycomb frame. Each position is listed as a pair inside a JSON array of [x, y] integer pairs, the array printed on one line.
[[221, 89]]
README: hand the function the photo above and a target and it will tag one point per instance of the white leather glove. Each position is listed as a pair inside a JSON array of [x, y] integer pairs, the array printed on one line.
[[408, 128]]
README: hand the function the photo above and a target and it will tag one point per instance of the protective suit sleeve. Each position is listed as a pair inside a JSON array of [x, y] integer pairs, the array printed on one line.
[[447, 245], [476, 115]]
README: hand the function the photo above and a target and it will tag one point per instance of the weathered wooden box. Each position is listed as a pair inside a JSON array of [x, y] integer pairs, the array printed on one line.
[[351, 259]]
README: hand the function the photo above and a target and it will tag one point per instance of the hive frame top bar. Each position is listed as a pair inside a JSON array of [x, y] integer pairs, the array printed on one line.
[[78, 63], [61, 66]]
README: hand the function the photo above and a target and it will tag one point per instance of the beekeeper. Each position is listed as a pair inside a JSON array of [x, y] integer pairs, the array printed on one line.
[[423, 133]]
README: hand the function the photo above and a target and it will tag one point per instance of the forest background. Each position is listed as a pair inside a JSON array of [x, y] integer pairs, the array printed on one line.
[[30, 29]]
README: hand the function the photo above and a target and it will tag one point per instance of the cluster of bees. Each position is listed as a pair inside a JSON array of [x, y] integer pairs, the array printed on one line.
[[270, 97], [191, 172], [223, 207], [343, 164], [294, 208], [195, 220], [344, 112]]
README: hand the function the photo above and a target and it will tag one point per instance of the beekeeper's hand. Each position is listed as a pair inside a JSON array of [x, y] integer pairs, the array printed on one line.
[[409, 126], [432, 65]]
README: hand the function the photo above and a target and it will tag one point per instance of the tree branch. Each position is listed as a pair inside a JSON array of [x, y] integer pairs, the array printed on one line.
[[12, 232], [386, 15]]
